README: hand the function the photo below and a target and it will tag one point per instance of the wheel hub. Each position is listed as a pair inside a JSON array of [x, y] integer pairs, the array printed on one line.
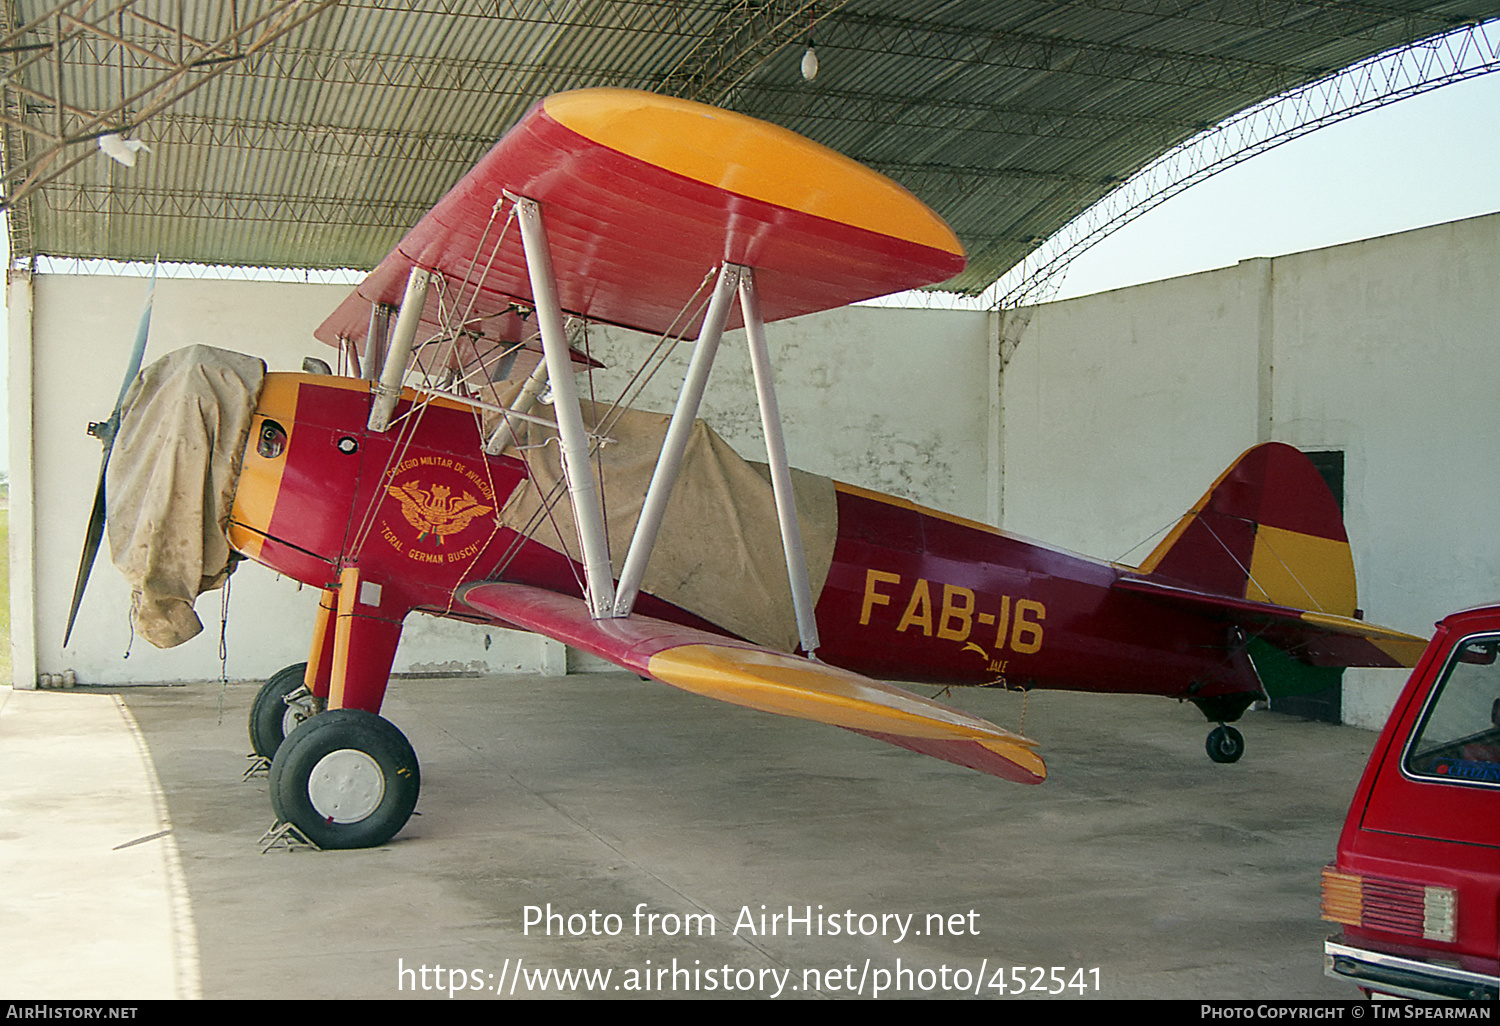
[[301, 706], [346, 786], [293, 718]]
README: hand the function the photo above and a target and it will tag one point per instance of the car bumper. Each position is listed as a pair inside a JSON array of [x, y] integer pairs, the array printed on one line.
[[1403, 976]]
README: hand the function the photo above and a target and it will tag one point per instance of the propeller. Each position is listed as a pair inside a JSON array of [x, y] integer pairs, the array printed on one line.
[[105, 431]]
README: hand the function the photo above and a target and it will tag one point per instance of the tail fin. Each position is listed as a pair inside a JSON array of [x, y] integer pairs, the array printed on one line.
[[1269, 534], [1269, 530]]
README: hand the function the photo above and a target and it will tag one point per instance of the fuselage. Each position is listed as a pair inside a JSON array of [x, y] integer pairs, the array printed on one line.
[[912, 594]]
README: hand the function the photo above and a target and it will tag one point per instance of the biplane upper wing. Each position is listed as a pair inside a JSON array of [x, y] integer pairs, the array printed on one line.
[[644, 195], [765, 679], [1319, 639]]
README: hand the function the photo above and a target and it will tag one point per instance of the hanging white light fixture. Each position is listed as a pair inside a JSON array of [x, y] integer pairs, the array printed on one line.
[[810, 61]]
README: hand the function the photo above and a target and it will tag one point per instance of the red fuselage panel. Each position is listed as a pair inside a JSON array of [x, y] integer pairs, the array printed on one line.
[[911, 595]]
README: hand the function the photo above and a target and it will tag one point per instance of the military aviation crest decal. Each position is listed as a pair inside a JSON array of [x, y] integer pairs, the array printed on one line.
[[439, 498], [436, 511]]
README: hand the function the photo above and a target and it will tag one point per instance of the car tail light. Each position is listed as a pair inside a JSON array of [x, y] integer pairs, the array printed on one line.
[[1393, 906]]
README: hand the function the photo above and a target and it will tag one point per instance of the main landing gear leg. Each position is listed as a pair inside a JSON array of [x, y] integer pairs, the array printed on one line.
[[348, 778], [297, 693]]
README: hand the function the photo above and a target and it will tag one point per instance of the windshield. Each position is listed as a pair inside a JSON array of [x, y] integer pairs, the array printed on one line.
[[1459, 736]]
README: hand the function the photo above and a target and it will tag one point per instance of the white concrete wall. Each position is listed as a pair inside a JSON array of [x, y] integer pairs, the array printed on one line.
[[22, 550], [82, 331], [1390, 350], [881, 398], [895, 400], [1115, 413], [1121, 408]]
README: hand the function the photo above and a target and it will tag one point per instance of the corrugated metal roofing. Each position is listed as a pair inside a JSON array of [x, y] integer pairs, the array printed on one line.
[[320, 149]]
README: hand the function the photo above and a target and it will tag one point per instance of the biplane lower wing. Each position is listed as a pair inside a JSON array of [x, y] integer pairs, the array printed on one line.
[[1318, 639], [764, 679]]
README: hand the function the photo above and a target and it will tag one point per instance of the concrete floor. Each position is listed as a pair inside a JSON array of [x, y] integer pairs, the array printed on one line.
[[1138, 858]]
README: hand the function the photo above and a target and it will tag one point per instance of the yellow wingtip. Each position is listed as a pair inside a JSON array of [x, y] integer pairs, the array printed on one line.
[[750, 157]]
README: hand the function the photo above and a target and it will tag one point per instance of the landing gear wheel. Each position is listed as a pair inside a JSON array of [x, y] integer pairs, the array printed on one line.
[[272, 718], [1225, 744], [346, 779]]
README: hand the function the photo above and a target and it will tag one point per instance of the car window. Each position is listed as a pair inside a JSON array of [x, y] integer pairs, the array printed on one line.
[[1458, 738]]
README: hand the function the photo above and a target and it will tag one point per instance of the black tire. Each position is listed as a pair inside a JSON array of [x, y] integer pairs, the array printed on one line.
[[271, 719], [346, 779], [1225, 744]]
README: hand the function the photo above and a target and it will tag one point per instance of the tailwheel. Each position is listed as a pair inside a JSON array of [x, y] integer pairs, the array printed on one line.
[[278, 709], [1225, 744], [345, 779]]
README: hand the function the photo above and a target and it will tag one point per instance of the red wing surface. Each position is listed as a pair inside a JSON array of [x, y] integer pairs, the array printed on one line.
[[643, 196], [761, 678]]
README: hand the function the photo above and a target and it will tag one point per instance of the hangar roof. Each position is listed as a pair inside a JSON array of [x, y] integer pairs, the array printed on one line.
[[312, 133]]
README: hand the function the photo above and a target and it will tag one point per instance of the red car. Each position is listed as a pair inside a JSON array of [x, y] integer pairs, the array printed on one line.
[[1416, 883]]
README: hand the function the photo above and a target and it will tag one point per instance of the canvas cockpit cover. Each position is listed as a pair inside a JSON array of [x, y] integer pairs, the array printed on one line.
[[719, 551], [171, 482]]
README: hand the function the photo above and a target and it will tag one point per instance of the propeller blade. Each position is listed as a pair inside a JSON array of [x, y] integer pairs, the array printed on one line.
[[105, 432], [138, 352], [90, 546]]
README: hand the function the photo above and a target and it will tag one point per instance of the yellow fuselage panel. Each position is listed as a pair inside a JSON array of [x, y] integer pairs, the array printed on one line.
[[260, 476]]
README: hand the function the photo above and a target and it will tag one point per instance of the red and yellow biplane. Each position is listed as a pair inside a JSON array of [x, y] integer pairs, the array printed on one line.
[[433, 479]]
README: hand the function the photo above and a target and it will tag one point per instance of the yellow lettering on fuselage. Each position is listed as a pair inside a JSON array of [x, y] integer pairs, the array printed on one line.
[[1018, 622], [391, 539], [918, 610], [873, 598], [1027, 636], [956, 613]]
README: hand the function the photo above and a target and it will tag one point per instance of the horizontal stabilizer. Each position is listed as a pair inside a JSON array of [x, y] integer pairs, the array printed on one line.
[[1319, 639], [762, 678]]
